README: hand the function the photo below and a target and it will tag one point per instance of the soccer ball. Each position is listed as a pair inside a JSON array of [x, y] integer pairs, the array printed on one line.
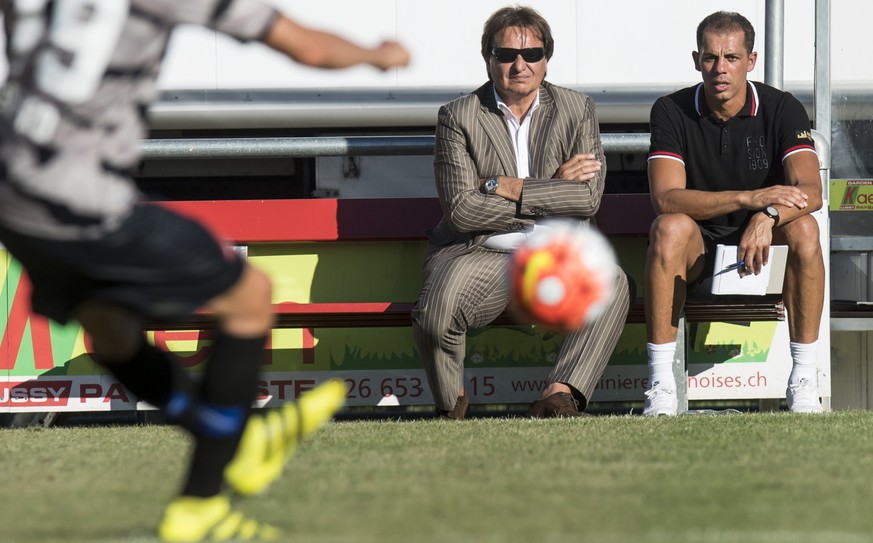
[[562, 276]]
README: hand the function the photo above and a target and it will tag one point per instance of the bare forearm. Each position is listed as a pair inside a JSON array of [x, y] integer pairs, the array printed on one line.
[[320, 49], [701, 205]]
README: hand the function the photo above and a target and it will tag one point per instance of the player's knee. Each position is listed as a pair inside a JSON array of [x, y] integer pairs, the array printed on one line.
[[246, 310], [260, 289], [116, 333], [670, 232], [113, 350], [259, 297], [672, 229], [803, 237]]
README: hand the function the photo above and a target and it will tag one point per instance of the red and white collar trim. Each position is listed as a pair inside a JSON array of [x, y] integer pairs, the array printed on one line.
[[756, 104]]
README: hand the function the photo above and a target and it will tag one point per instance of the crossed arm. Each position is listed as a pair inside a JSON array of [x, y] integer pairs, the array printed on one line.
[[800, 195], [463, 160], [581, 168]]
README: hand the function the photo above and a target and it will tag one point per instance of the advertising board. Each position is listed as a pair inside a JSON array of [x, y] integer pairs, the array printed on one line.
[[46, 366]]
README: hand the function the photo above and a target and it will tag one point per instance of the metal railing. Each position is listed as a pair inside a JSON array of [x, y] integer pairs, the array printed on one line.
[[312, 147], [338, 146], [306, 147]]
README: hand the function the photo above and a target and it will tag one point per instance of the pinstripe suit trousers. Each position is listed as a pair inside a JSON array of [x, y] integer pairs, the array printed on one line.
[[469, 290]]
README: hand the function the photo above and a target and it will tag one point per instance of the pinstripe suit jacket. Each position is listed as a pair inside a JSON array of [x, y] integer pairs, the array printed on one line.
[[472, 142]]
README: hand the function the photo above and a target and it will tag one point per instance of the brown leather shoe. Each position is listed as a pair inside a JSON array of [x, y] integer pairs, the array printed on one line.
[[458, 413], [560, 404]]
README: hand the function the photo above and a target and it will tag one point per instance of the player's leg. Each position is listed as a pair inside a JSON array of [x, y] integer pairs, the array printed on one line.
[[224, 398], [673, 259], [119, 346], [215, 410], [228, 385], [248, 451], [244, 319], [179, 267], [154, 376], [156, 264], [803, 293], [804, 278]]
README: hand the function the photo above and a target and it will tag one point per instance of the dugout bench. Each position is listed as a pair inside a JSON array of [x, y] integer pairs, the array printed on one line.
[[395, 219], [407, 219]]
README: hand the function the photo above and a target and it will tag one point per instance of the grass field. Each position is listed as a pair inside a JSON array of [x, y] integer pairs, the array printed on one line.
[[731, 478]]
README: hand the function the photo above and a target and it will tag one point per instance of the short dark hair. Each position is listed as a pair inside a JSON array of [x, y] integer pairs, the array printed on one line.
[[522, 17], [727, 21]]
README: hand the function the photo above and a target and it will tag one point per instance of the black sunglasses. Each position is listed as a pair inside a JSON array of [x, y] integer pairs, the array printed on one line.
[[505, 55]]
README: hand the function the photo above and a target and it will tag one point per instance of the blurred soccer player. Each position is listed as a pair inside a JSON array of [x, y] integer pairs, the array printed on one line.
[[81, 74]]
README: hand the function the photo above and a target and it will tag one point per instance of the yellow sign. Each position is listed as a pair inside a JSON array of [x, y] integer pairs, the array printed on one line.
[[851, 195]]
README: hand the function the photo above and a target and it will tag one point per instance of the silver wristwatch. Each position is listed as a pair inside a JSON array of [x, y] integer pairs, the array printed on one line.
[[773, 213], [491, 186]]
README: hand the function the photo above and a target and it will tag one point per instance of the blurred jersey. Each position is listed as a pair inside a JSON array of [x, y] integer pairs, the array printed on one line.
[[72, 113]]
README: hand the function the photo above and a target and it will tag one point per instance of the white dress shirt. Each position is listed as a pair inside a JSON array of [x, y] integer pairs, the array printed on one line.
[[519, 133]]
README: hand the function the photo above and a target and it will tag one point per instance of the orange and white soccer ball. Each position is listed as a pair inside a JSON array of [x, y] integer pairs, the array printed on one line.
[[562, 276]]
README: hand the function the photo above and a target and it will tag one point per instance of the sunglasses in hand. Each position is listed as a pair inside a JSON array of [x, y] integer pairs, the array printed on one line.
[[505, 55]]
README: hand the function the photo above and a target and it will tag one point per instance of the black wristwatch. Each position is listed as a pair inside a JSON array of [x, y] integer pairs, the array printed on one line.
[[773, 213], [491, 186]]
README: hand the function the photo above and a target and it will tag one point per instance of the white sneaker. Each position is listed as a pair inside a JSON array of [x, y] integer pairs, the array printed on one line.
[[660, 401], [803, 397]]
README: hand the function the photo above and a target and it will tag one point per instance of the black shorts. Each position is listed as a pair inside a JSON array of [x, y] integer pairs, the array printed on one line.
[[158, 264]]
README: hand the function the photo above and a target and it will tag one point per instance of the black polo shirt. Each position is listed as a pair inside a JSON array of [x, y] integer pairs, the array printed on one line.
[[744, 153]]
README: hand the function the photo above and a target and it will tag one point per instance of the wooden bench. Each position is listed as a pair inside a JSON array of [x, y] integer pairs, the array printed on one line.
[[388, 314], [401, 219]]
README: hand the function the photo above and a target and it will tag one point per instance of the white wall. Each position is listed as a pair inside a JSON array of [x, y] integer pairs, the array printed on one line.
[[598, 43]]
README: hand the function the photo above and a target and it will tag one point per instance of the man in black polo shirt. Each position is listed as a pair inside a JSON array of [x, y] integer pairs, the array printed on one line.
[[731, 162]]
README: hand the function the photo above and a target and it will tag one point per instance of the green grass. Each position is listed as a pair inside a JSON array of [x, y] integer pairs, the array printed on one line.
[[738, 478]]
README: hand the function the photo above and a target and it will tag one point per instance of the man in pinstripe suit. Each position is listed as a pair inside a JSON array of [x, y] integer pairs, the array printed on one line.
[[515, 151]]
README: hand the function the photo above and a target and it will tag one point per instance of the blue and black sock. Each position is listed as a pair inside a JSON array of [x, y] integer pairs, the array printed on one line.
[[227, 391], [215, 412]]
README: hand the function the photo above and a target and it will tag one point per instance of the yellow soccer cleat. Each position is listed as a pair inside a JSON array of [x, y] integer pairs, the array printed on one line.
[[189, 519], [270, 439]]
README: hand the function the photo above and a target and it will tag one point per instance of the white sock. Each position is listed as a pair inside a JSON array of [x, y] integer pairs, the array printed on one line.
[[805, 362], [661, 365]]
